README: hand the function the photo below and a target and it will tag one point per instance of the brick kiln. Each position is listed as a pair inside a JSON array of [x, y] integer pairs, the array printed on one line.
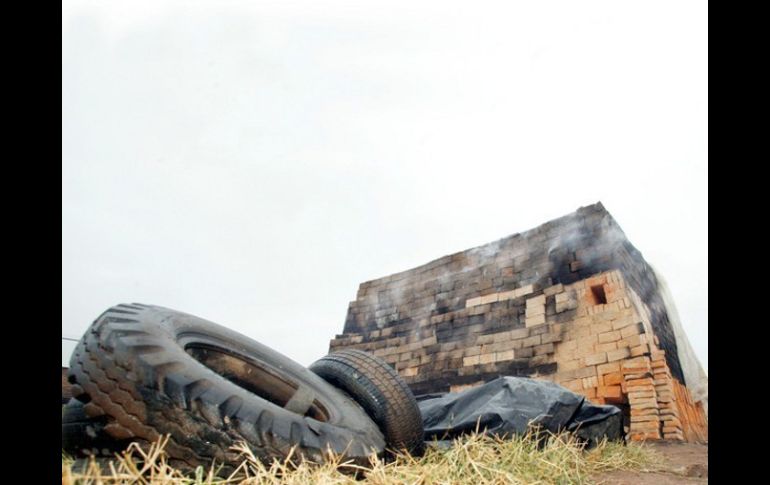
[[571, 301]]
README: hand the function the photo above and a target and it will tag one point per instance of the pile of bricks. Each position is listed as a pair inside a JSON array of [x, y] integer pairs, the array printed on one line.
[[639, 386], [571, 302], [691, 414]]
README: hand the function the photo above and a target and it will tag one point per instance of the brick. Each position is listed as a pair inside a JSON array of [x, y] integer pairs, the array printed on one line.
[[644, 412], [552, 290], [536, 320], [566, 305], [489, 298], [410, 371], [487, 358], [609, 391], [524, 290], [515, 344], [658, 355], [589, 382], [618, 354], [608, 337], [479, 309], [607, 368], [629, 331], [674, 436], [569, 365], [606, 347], [523, 352], [636, 363], [519, 333], [461, 387], [471, 351], [594, 359], [506, 295], [485, 339], [631, 374], [474, 360], [637, 392], [505, 355], [531, 341], [429, 341], [536, 301], [543, 349], [671, 421], [613, 378], [585, 371], [587, 342], [650, 418], [638, 350], [604, 327], [501, 337], [535, 310], [598, 280], [473, 302], [623, 322], [550, 337], [641, 395], [646, 382], [643, 405]]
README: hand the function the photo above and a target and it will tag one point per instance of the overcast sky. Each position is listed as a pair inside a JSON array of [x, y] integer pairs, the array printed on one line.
[[253, 162]]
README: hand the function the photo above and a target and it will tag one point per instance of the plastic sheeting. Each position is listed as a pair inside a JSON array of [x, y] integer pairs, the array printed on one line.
[[510, 405]]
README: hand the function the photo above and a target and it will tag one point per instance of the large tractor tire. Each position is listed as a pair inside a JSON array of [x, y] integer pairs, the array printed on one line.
[[147, 371]]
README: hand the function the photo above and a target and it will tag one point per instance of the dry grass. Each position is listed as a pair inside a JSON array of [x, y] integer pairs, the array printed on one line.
[[474, 459]]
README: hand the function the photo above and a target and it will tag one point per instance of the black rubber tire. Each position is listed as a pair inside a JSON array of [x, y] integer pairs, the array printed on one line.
[[83, 436], [378, 388], [150, 371]]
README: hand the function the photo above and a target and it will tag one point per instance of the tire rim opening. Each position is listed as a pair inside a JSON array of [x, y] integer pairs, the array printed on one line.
[[256, 377]]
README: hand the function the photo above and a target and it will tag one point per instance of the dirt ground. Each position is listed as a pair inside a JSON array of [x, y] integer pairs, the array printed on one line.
[[684, 463]]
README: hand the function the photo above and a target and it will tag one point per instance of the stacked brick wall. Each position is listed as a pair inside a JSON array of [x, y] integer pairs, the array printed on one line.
[[561, 302]]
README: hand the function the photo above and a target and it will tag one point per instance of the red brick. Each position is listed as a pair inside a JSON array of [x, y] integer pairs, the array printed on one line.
[[609, 391], [613, 378]]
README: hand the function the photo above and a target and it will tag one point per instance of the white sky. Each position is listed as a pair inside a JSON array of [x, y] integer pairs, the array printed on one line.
[[252, 162]]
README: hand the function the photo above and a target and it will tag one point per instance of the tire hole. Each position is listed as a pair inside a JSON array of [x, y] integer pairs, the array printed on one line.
[[255, 377]]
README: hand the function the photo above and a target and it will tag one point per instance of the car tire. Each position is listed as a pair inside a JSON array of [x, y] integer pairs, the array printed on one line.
[[378, 388]]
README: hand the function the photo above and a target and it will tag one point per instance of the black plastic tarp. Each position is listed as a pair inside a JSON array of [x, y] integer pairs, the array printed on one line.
[[510, 405]]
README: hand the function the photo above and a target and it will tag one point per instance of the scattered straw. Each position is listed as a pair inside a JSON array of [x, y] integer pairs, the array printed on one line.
[[475, 459]]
